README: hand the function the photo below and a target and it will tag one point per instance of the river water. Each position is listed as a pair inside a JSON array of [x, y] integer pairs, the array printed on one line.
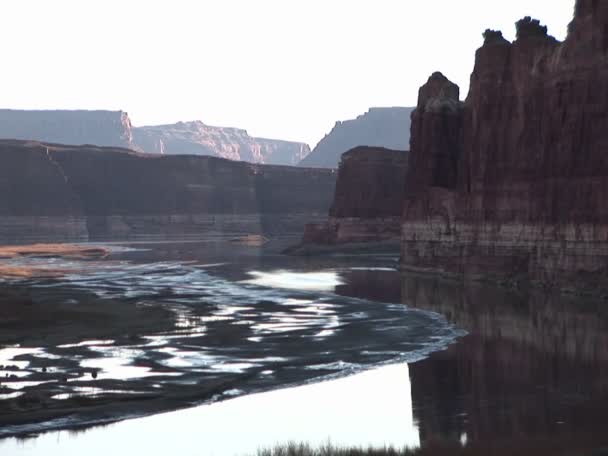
[[255, 348]]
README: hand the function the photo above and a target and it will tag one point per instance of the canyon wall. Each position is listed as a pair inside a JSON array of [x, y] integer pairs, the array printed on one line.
[[368, 199], [378, 127], [510, 185], [52, 192], [104, 128], [196, 138]]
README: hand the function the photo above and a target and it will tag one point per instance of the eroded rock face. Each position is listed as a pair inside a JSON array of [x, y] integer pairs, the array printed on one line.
[[52, 192], [197, 138], [104, 128], [368, 200], [378, 127], [513, 183]]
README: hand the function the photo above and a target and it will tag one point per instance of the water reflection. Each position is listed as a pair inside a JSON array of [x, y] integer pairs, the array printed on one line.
[[317, 281], [158, 332], [533, 369], [371, 408]]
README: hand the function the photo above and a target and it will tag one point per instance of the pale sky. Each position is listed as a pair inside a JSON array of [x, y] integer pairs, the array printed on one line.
[[285, 69]]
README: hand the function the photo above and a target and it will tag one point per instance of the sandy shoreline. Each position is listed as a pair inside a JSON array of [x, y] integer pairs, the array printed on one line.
[[67, 251]]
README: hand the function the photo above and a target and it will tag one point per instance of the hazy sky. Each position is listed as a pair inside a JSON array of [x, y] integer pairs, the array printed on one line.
[[279, 68]]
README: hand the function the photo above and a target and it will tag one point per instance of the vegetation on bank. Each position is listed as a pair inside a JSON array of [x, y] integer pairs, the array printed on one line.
[[557, 447], [303, 449]]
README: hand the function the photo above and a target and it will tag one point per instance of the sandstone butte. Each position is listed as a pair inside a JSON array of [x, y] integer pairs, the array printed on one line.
[[55, 192], [511, 184], [368, 200]]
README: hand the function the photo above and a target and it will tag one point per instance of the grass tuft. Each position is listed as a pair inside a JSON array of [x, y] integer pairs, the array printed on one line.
[[303, 449]]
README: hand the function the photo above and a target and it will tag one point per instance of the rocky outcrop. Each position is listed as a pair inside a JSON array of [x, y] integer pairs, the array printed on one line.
[[104, 128], [197, 138], [52, 192], [368, 199], [510, 184], [378, 127]]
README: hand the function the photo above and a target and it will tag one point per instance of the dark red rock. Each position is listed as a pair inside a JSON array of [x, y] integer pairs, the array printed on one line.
[[435, 136], [527, 200], [87, 192], [370, 183], [368, 199]]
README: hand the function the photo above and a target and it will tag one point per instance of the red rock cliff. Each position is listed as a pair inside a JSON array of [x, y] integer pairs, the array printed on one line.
[[368, 199], [513, 183]]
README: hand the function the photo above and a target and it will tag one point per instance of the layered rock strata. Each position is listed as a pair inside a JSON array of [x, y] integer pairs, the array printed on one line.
[[378, 127], [197, 138], [53, 192], [368, 199], [511, 183]]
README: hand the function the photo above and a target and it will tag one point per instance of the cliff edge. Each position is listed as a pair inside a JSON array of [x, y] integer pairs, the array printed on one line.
[[510, 184]]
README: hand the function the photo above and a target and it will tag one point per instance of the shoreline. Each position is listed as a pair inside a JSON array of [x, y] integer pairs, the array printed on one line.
[[12, 267], [49, 317], [346, 248]]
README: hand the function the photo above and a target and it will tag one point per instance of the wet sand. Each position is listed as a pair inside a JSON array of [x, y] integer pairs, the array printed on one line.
[[12, 267]]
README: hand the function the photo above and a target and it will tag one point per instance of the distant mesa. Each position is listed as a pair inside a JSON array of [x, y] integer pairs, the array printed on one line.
[[198, 138], [102, 128], [115, 129], [379, 127]]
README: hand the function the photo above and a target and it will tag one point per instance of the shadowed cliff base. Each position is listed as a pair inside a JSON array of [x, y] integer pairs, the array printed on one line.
[[510, 184], [390, 247]]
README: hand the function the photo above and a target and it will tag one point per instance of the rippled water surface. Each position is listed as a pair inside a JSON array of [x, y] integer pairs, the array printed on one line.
[[212, 321]]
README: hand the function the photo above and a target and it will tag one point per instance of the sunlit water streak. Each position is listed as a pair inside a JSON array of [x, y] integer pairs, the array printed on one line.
[[281, 327]]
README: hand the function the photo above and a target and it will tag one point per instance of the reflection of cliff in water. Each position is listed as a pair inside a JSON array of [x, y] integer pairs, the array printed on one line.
[[532, 367]]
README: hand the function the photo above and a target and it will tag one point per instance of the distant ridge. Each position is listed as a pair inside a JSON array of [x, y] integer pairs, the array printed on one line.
[[75, 127], [378, 127], [198, 138], [114, 129]]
